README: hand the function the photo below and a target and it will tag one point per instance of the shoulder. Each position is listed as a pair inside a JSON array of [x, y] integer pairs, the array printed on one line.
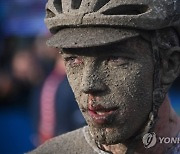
[[70, 143]]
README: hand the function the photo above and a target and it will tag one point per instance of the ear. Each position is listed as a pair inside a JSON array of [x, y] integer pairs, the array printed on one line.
[[171, 66]]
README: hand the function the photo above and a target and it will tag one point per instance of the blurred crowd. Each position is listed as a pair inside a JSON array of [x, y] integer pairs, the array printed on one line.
[[36, 102]]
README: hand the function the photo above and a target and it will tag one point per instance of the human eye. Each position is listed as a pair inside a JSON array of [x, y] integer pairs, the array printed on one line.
[[117, 60], [73, 60]]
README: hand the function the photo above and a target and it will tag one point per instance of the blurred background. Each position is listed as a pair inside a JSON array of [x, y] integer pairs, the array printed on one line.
[[36, 102]]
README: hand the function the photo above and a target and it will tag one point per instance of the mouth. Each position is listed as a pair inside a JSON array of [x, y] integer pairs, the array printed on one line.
[[101, 115]]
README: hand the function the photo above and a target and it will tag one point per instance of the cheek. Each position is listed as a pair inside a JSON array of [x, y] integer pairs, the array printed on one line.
[[132, 91], [75, 77], [132, 87]]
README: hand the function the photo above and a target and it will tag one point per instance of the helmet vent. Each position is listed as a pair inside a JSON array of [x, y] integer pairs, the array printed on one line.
[[58, 5], [127, 10], [76, 4], [49, 14], [100, 4]]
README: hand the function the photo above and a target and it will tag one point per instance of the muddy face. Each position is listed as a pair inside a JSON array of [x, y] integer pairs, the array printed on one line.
[[113, 87]]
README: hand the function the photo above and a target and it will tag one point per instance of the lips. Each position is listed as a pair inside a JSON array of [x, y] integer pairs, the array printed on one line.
[[100, 114]]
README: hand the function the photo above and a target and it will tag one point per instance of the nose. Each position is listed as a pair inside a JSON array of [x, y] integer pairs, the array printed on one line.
[[92, 81]]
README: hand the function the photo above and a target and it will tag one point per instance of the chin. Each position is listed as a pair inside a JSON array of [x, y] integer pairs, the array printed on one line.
[[109, 136]]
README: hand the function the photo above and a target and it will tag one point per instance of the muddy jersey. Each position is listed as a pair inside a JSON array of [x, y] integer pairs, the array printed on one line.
[[79, 142]]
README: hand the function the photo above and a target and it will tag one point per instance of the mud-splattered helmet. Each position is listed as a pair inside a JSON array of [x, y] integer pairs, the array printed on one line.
[[73, 20]]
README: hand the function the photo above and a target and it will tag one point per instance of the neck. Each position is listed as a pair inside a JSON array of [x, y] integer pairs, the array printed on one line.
[[167, 125]]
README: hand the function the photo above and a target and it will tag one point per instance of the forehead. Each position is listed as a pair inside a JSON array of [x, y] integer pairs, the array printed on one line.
[[136, 45]]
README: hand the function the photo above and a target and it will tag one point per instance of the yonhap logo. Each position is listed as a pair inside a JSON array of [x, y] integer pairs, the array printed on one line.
[[149, 140]]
